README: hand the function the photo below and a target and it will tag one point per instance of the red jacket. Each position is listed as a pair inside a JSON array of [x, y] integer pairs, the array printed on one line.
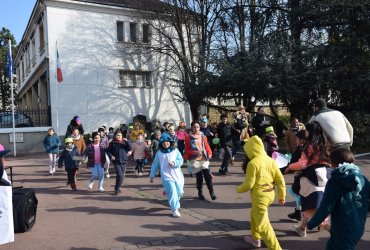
[[191, 150]]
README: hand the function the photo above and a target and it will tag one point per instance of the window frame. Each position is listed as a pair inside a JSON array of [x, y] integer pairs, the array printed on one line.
[[138, 79]]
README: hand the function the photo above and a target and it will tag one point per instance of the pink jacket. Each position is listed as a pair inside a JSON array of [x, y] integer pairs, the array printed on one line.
[[138, 149], [181, 134]]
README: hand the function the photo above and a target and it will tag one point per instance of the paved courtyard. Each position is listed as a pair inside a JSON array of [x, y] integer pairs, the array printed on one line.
[[140, 218]]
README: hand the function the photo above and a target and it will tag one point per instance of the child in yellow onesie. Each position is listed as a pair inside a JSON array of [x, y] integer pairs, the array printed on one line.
[[262, 175]]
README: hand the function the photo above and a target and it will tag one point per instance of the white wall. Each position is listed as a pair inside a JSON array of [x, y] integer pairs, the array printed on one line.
[[91, 59]]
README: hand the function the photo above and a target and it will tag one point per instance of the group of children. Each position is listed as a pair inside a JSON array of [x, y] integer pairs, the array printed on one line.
[[343, 197], [327, 187]]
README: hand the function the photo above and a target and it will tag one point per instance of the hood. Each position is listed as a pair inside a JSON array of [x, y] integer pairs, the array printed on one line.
[[165, 137], [254, 147], [349, 176]]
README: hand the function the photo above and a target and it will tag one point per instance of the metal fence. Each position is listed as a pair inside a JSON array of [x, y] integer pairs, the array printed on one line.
[[25, 118]]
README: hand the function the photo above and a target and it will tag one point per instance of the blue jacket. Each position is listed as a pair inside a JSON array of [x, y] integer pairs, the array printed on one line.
[[67, 157], [119, 151], [346, 199], [52, 144]]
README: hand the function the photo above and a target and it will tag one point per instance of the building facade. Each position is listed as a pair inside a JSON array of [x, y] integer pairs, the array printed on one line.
[[110, 71]]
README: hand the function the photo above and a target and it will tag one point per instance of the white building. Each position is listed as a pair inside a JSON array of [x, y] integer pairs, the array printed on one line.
[[110, 74]]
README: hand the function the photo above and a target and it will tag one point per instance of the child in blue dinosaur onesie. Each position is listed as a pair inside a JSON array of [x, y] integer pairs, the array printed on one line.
[[262, 175], [169, 160], [346, 200]]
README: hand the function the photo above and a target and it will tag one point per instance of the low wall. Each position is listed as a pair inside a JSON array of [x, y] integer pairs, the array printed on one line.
[[29, 140]]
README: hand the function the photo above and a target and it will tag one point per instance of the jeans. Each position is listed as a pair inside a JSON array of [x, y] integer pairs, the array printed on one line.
[[225, 162], [97, 171], [120, 174], [236, 146], [140, 165]]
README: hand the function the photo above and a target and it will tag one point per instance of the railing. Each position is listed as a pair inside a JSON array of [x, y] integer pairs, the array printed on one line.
[[25, 118]]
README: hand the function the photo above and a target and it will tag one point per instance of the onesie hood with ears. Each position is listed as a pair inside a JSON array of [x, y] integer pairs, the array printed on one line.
[[254, 147]]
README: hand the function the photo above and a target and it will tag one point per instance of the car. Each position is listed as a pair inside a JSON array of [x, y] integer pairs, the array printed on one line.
[[21, 120]]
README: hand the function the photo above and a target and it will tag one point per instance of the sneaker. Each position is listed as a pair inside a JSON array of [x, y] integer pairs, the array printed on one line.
[[90, 186], [253, 242], [140, 174], [101, 189], [301, 232], [136, 172], [53, 170], [176, 213]]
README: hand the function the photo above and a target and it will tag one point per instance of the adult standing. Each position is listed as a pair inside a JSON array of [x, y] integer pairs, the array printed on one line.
[[224, 131], [334, 123], [260, 122], [241, 128], [290, 134], [74, 123]]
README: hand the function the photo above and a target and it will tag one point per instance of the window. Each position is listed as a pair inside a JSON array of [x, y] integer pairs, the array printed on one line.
[[120, 29], [145, 33], [138, 79], [41, 37], [133, 28]]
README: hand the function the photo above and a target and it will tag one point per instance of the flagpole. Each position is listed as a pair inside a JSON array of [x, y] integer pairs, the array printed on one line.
[[12, 97], [56, 87]]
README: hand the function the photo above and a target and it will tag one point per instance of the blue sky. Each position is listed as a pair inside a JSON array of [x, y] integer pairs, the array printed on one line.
[[14, 16]]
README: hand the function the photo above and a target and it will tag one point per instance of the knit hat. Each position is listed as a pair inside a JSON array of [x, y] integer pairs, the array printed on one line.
[[204, 119], [269, 129], [3, 151], [68, 140], [320, 103]]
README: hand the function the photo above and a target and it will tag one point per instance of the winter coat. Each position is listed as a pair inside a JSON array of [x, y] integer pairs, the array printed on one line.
[[66, 157], [119, 151], [52, 144], [346, 200], [90, 153], [140, 150], [224, 132], [192, 152], [335, 125]]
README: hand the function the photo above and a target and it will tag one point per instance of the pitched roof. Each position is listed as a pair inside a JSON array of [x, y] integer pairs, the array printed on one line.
[[150, 5]]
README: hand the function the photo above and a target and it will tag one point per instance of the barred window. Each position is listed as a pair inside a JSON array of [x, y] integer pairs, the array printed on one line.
[[136, 79]]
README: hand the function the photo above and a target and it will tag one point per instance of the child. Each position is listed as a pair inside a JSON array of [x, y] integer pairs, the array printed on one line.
[[169, 160], [199, 153], [96, 160], [119, 150], [313, 162], [346, 200], [139, 150], [171, 131], [104, 140], [270, 141], [78, 140], [181, 134], [110, 134], [154, 145], [300, 140], [68, 157], [52, 144], [261, 177]]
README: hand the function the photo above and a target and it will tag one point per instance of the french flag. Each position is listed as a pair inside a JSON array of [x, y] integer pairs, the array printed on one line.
[[59, 69]]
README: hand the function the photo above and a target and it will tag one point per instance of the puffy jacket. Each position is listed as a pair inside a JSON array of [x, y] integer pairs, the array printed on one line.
[[119, 151], [52, 144]]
